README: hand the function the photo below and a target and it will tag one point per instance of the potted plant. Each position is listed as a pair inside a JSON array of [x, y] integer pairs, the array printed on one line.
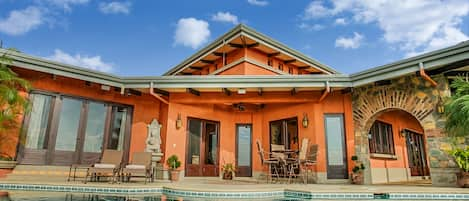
[[461, 157], [173, 164], [457, 125], [228, 171], [357, 171]]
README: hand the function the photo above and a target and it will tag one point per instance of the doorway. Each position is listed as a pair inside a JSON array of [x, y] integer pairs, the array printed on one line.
[[416, 154], [243, 150], [336, 147], [202, 148]]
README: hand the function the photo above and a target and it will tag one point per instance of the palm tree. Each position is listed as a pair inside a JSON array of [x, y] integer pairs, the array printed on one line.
[[457, 109], [12, 102]]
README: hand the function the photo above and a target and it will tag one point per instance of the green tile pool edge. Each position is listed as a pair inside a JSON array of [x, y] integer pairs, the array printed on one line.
[[287, 193]]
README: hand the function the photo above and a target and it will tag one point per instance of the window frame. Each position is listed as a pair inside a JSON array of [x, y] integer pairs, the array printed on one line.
[[381, 142]]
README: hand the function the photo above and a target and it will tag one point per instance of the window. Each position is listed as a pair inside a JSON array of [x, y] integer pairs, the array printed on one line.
[[284, 132], [381, 139]]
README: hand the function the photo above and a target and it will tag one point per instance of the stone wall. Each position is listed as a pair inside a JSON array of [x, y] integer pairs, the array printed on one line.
[[416, 96]]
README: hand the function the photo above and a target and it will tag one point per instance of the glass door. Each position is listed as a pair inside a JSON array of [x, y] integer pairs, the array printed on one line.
[[202, 148], [69, 125], [336, 149], [285, 133], [95, 129], [243, 150]]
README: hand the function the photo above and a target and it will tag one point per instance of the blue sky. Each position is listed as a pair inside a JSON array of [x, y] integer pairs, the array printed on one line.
[[146, 38]]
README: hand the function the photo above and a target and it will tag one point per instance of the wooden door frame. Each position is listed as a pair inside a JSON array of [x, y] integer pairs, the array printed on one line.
[[344, 144], [250, 145], [202, 144]]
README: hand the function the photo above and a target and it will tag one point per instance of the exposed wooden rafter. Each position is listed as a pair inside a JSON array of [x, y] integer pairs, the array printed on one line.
[[196, 67], [235, 45], [193, 91], [227, 91], [218, 54], [289, 61], [207, 61], [252, 45], [293, 91], [303, 67], [273, 54], [259, 91]]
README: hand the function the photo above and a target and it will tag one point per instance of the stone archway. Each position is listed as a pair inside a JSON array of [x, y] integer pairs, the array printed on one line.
[[413, 95]]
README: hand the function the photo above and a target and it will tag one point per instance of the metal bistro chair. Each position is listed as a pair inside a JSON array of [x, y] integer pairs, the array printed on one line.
[[295, 163], [271, 163]]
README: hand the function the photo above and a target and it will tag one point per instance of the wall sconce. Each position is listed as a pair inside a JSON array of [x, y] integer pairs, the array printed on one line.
[[178, 122], [403, 133], [305, 121]]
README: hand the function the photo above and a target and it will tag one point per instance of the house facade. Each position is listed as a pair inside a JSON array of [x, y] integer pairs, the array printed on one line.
[[241, 89]]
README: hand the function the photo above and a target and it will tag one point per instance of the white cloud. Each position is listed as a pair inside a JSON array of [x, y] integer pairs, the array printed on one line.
[[311, 27], [66, 4], [340, 21], [115, 7], [225, 17], [191, 32], [91, 62], [22, 21], [351, 42], [413, 26], [258, 2]]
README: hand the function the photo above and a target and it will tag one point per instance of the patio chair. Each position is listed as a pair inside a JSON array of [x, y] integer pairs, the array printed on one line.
[[108, 167], [311, 159], [271, 163], [139, 165], [297, 162]]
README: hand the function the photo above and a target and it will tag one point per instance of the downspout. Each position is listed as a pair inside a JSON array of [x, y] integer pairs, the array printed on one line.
[[425, 76], [326, 92], [157, 95]]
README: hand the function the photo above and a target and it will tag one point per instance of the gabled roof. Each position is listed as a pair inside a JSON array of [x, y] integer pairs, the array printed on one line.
[[243, 30]]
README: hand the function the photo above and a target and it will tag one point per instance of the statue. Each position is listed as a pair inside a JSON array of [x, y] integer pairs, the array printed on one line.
[[153, 137]]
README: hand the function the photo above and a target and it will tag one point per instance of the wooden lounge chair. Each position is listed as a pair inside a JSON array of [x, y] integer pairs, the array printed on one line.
[[140, 165], [109, 166]]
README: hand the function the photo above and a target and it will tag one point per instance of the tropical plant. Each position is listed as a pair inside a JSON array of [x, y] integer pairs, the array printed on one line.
[[457, 109], [461, 157], [173, 162], [228, 168], [12, 103]]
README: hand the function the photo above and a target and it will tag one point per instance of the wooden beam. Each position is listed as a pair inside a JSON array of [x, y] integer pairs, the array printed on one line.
[[289, 61], [448, 67], [303, 67], [183, 73], [207, 61], [160, 91], [193, 91], [218, 54], [273, 54], [227, 91], [347, 90], [382, 82], [259, 91], [195, 67], [457, 73], [235, 45], [252, 45], [293, 91]]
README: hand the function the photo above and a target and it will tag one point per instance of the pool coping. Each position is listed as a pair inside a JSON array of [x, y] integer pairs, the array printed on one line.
[[281, 193]]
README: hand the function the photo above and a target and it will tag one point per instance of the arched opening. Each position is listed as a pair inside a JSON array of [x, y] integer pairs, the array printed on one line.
[[396, 147]]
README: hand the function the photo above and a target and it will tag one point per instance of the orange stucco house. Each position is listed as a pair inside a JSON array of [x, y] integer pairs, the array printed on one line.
[[242, 88]]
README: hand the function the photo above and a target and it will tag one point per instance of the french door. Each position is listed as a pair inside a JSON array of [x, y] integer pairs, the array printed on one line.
[[202, 148], [243, 150], [335, 146], [64, 130], [416, 154]]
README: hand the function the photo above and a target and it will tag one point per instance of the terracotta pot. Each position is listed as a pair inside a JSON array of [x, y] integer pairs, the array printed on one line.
[[228, 175], [174, 175], [463, 179], [357, 178]]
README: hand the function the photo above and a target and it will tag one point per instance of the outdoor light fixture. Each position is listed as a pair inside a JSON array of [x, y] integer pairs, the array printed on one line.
[[305, 120], [403, 132], [440, 106], [178, 122]]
